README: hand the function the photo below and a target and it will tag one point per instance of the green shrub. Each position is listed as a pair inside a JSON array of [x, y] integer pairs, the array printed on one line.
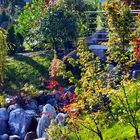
[[60, 26], [3, 54], [14, 40]]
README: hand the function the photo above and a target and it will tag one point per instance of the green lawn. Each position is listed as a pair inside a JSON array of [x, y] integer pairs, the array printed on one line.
[[26, 69]]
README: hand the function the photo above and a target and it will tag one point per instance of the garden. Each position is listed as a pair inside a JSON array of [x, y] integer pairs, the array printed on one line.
[[69, 70]]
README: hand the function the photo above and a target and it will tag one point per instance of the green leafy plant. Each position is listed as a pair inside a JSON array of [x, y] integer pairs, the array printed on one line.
[[3, 54], [127, 104], [14, 41], [29, 23], [119, 23], [60, 35], [30, 90]]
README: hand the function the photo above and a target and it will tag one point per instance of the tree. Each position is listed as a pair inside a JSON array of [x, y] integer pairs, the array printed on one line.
[[119, 23], [126, 104], [60, 26], [29, 22]]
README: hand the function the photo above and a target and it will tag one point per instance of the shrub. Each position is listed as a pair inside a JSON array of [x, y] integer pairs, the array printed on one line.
[[14, 40], [119, 23]]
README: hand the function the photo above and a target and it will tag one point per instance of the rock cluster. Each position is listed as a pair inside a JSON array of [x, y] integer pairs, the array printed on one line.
[[29, 122]]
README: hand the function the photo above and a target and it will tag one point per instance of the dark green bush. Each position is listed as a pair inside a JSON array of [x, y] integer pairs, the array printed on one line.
[[60, 26], [14, 40]]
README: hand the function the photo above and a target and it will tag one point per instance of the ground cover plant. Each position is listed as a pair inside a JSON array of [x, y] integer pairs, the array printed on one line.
[[27, 69]]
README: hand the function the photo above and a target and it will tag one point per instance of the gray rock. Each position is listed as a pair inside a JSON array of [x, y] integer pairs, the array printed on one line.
[[4, 137], [48, 113], [32, 104], [4, 114], [13, 107], [52, 102], [60, 118], [14, 137], [3, 121], [3, 127], [136, 74], [19, 121], [40, 108], [30, 136]]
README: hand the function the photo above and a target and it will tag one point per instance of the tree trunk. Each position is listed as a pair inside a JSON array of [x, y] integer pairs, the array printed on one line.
[[137, 133], [100, 136]]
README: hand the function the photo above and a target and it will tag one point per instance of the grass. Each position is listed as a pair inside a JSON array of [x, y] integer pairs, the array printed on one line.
[[118, 131], [26, 69]]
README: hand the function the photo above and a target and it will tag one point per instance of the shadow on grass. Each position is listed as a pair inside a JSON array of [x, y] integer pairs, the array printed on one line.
[[23, 69], [28, 60]]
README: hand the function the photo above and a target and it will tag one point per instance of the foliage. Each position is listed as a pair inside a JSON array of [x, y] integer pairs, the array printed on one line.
[[127, 104], [119, 23], [67, 30], [4, 17], [3, 54], [57, 132], [89, 92], [12, 8], [135, 4], [2, 100], [29, 22], [56, 68], [136, 40], [14, 40], [30, 90]]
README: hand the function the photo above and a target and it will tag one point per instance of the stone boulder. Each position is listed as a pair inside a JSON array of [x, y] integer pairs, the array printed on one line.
[[14, 137], [60, 118], [48, 113], [19, 121], [4, 121], [13, 107], [31, 104], [4, 137], [4, 114], [30, 136]]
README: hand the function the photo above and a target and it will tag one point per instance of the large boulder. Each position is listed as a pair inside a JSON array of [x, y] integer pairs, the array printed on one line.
[[13, 107], [32, 104], [48, 113], [30, 136], [40, 109], [4, 121], [19, 121], [4, 114], [4, 137], [60, 118], [14, 137]]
